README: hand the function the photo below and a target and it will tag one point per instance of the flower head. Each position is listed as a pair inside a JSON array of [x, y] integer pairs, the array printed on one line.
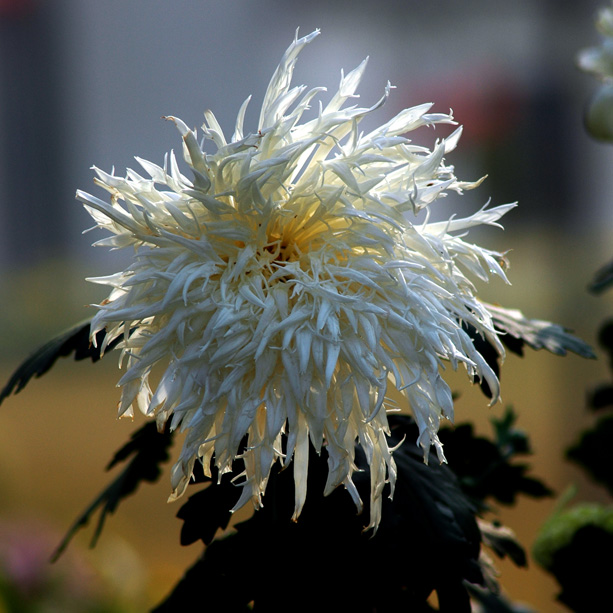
[[285, 287], [598, 61]]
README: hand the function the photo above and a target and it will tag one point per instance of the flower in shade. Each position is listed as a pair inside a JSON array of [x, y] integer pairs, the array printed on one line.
[[598, 61], [280, 291]]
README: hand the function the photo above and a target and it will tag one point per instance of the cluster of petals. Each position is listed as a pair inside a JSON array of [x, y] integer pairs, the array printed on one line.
[[280, 291]]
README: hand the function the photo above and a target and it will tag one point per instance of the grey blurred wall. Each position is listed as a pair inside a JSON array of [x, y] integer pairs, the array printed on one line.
[[86, 82]]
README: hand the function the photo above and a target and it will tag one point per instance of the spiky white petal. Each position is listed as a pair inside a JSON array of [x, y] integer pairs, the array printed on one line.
[[285, 287]]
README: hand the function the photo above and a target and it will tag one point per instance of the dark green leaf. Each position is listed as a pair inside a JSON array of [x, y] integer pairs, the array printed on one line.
[[75, 340], [602, 279], [150, 449], [489, 354], [516, 332], [601, 397], [595, 453], [207, 510], [221, 580], [503, 542], [605, 340], [536, 333], [485, 469], [429, 531], [583, 570], [494, 602], [510, 440]]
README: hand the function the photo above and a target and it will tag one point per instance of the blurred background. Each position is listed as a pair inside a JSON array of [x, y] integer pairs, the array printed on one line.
[[85, 83]]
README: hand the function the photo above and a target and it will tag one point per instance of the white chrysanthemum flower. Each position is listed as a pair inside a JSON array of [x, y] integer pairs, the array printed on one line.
[[283, 288]]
